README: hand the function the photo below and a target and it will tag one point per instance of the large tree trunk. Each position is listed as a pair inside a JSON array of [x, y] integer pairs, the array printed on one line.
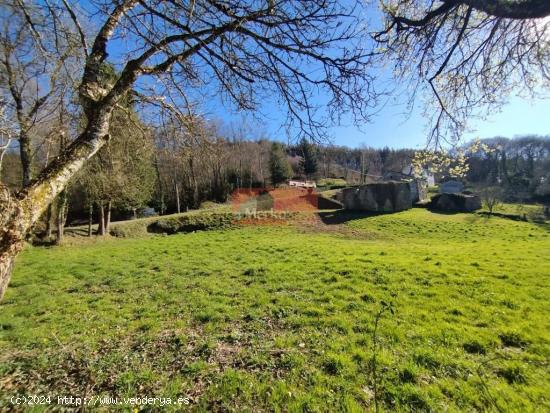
[[61, 216], [108, 217], [20, 212], [177, 197], [12, 235], [60, 230], [25, 153], [101, 225], [6, 267], [160, 186], [90, 218], [49, 222], [195, 184]]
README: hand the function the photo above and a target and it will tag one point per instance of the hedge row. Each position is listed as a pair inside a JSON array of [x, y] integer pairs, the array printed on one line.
[[192, 222]]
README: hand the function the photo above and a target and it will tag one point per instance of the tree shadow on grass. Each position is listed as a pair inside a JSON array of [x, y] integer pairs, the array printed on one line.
[[439, 212], [79, 231], [539, 222], [342, 216], [485, 216]]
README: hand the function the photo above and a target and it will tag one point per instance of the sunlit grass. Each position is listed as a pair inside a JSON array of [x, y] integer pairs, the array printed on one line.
[[281, 318]]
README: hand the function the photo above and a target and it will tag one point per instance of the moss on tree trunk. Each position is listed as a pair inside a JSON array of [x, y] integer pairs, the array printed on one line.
[[19, 212]]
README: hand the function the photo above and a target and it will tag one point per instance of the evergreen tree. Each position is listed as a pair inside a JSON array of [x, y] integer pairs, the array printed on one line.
[[278, 164], [308, 163], [122, 175]]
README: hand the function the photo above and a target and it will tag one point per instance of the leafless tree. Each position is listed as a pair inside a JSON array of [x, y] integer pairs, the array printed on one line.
[[35, 65], [491, 197], [465, 56], [249, 49], [6, 133]]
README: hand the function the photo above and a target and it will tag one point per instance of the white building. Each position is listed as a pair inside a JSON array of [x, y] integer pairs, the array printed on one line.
[[302, 184]]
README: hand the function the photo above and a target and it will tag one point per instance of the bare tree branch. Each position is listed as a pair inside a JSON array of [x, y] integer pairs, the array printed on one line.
[[78, 26], [466, 56]]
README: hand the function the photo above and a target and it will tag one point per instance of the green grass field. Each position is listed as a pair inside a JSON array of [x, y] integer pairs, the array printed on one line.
[[282, 318]]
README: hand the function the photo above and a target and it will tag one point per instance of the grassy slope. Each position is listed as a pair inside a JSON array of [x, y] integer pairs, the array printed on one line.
[[279, 318]]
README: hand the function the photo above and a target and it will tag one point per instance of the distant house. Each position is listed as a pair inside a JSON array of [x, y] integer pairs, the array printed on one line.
[[302, 184], [425, 175], [418, 185], [396, 176]]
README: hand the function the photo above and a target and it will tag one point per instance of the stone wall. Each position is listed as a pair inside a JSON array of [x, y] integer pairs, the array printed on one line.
[[378, 197], [455, 203]]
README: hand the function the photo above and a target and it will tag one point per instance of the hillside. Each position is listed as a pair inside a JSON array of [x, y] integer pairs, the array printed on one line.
[[282, 317]]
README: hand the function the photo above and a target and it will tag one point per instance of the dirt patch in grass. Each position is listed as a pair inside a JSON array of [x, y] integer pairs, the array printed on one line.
[[313, 224]]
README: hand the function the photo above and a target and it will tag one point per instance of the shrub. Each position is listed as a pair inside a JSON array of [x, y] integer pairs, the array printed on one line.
[[166, 225], [209, 205], [129, 230], [192, 222]]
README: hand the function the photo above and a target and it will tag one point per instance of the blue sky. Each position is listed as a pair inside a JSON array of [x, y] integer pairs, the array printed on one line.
[[521, 116], [390, 127]]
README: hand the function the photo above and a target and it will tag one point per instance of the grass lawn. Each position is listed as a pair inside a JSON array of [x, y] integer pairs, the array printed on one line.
[[282, 318]]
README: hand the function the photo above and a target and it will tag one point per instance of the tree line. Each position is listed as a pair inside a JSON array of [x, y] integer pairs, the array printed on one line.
[[183, 163], [519, 166]]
